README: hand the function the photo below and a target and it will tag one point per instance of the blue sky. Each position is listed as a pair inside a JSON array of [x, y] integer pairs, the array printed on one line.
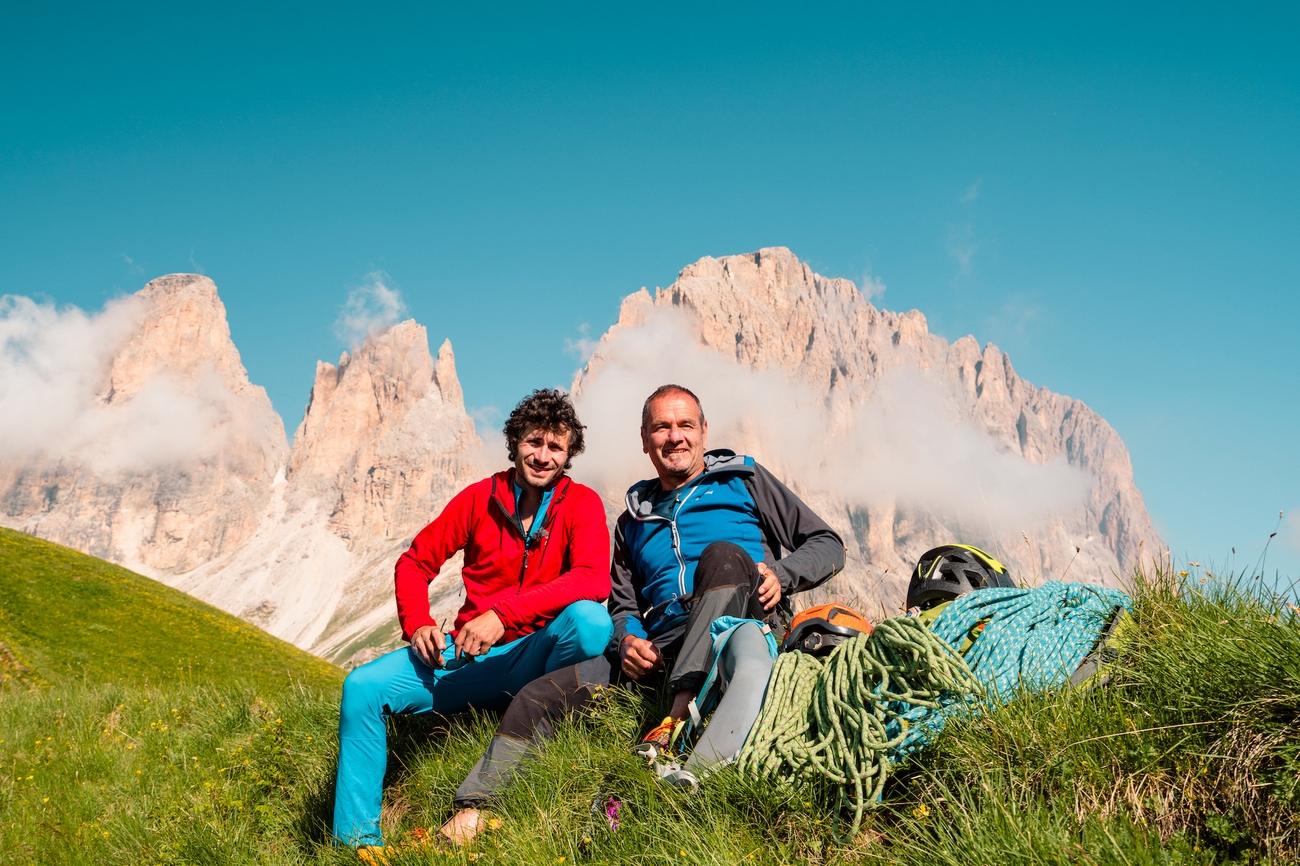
[[1111, 195]]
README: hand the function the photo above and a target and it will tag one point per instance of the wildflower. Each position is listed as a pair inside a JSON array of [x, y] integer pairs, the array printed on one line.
[[46, 800], [611, 813], [922, 811], [130, 746], [1182, 574]]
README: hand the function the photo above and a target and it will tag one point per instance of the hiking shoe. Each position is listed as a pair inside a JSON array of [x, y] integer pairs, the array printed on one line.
[[661, 740]]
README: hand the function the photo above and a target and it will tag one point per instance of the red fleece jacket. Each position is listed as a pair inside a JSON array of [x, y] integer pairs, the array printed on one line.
[[568, 560]]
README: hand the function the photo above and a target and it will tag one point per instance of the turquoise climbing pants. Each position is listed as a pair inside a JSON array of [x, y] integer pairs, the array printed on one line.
[[400, 682]]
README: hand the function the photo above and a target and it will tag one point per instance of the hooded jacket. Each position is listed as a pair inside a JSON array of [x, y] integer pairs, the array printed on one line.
[[527, 583], [734, 499]]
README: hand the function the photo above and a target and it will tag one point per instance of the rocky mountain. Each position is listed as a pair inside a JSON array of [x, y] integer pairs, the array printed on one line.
[[300, 542], [204, 501], [823, 346], [383, 445], [899, 438]]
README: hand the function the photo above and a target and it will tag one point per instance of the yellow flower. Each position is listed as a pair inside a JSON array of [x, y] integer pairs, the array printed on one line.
[[921, 811], [46, 800]]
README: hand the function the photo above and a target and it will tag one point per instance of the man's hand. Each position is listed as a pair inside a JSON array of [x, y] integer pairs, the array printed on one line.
[[639, 657], [479, 634], [428, 644], [769, 591]]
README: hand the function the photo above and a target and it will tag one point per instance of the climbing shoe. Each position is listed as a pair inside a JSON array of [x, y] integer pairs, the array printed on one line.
[[662, 741]]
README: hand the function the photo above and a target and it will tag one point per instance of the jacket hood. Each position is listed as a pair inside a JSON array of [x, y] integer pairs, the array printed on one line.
[[716, 462]]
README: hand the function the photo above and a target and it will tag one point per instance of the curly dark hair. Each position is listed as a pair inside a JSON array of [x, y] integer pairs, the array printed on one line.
[[549, 410]]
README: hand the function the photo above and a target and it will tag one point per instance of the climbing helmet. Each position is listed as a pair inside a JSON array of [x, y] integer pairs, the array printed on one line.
[[950, 570], [820, 629]]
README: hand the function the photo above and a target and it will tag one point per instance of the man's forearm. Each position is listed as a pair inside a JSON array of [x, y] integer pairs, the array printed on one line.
[[818, 559]]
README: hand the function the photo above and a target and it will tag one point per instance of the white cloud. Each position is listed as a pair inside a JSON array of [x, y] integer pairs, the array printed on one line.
[[972, 193], [583, 346], [56, 402], [962, 246], [903, 442], [370, 308], [872, 287]]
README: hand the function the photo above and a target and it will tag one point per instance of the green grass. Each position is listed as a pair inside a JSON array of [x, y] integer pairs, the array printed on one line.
[[65, 616], [1191, 755]]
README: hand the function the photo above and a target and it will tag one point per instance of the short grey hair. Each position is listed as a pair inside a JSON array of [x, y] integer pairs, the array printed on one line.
[[663, 391]]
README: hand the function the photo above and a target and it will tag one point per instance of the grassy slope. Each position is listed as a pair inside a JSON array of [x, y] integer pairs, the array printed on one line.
[[69, 616], [1190, 756]]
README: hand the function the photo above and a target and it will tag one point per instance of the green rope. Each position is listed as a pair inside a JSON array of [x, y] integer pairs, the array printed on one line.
[[833, 718]]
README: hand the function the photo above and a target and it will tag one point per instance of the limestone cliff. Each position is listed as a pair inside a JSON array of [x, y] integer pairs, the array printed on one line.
[[200, 500], [767, 311], [303, 542], [383, 445]]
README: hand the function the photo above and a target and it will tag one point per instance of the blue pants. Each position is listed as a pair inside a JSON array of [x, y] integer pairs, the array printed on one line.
[[400, 682]]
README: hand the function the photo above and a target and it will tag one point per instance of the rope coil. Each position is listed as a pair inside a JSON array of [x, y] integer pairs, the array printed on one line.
[[880, 697], [841, 718]]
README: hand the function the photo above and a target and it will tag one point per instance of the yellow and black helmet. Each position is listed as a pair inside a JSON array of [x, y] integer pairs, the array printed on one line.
[[950, 570]]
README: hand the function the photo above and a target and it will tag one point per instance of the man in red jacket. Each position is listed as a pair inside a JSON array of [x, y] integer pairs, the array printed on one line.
[[536, 571]]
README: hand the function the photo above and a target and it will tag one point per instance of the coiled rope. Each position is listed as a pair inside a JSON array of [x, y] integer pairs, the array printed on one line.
[[840, 718], [880, 697]]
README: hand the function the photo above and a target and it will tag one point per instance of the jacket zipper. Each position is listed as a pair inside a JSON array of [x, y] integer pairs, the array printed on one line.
[[519, 525], [677, 544]]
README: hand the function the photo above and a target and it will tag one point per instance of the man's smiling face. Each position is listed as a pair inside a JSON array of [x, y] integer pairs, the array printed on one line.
[[541, 457], [675, 438]]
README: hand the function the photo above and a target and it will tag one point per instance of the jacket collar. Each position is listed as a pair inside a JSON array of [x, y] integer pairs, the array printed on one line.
[[718, 462], [503, 491]]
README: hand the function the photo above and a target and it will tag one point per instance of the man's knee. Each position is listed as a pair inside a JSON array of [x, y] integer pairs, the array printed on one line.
[[530, 712], [363, 690], [588, 626], [724, 564], [748, 652]]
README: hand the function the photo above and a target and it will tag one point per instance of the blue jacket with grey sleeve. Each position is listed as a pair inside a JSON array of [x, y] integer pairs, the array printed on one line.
[[734, 499]]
